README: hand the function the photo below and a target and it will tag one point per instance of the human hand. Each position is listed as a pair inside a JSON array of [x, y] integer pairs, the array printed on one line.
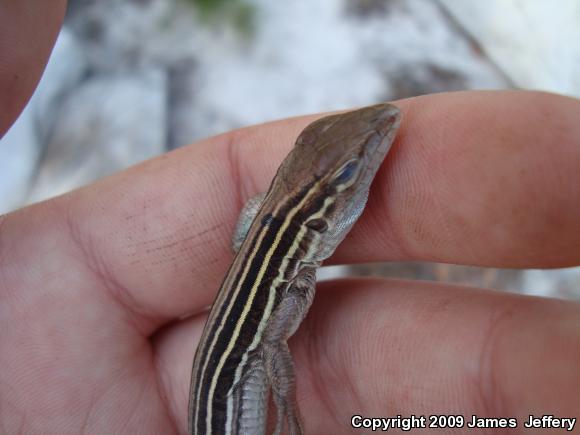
[[94, 284]]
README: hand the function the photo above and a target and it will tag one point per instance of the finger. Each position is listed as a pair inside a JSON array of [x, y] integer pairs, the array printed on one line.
[[474, 178], [28, 30], [387, 348], [486, 178], [416, 348]]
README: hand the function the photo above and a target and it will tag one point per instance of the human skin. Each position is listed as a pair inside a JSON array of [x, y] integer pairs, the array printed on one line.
[[103, 290], [28, 29]]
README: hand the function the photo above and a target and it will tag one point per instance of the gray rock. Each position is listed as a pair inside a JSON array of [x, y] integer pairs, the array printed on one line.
[[180, 103], [19, 151], [65, 70], [120, 36], [22, 145], [107, 124], [534, 43], [559, 283]]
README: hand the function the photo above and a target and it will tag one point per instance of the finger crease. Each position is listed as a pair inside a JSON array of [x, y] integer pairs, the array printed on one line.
[[96, 264]]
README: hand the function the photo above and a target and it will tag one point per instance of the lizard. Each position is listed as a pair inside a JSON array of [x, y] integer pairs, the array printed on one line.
[[281, 238]]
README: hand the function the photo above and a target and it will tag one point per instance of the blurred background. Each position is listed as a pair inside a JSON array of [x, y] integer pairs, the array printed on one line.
[[130, 79]]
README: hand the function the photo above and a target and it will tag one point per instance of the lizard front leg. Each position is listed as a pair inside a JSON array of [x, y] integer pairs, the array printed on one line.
[[277, 358], [247, 215]]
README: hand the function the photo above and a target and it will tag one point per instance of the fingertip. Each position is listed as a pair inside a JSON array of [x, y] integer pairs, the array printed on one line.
[[28, 30], [482, 178]]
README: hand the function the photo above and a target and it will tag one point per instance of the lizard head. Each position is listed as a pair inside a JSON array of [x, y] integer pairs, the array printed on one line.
[[337, 158]]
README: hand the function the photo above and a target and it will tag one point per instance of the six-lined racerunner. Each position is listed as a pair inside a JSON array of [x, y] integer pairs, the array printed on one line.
[[281, 238]]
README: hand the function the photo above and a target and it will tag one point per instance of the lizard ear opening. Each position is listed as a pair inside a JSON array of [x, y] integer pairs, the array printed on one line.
[[318, 225]]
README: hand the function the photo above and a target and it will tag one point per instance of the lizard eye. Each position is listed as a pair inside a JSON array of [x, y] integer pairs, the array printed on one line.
[[346, 175]]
